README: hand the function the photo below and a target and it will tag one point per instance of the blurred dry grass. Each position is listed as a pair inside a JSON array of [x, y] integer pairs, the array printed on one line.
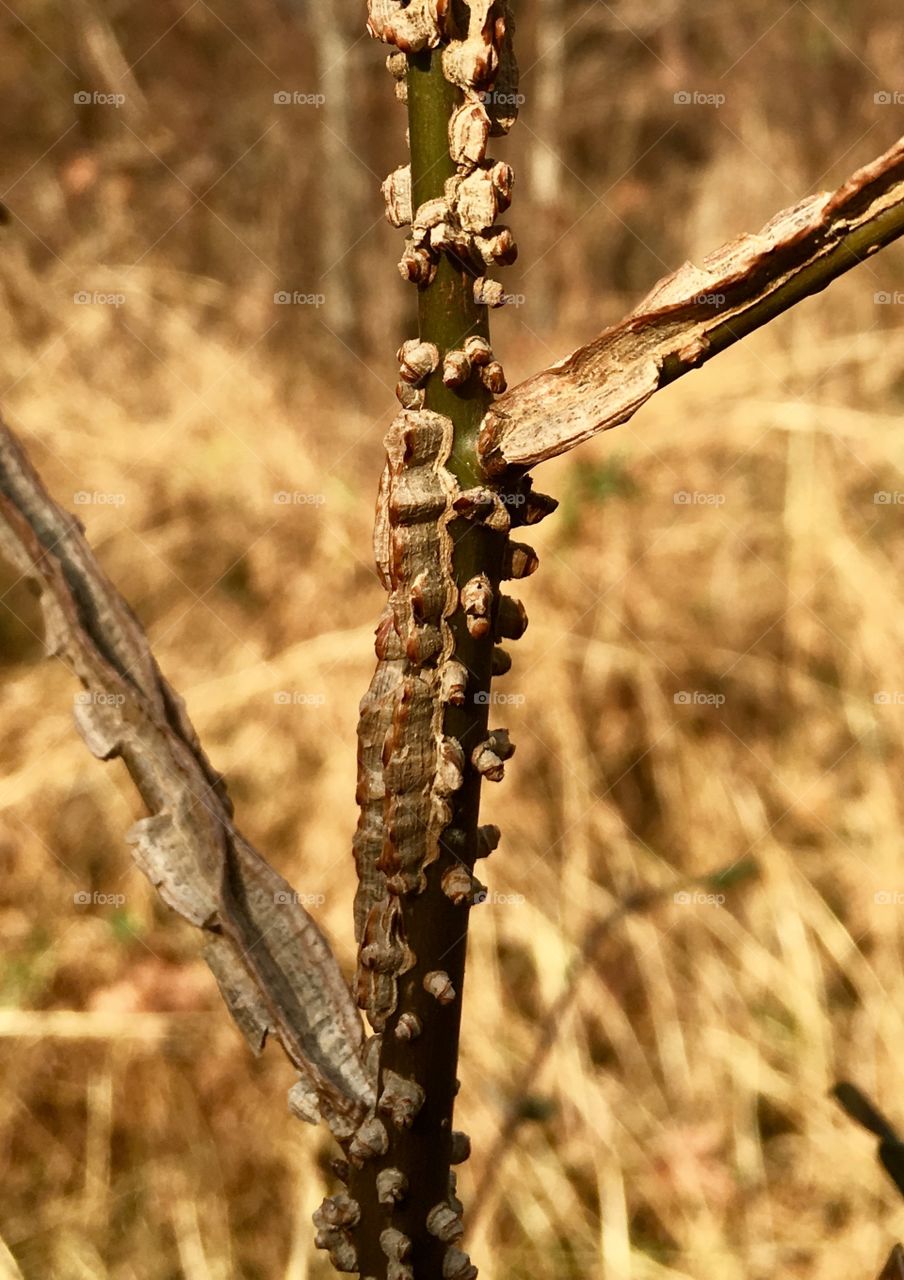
[[680, 1125]]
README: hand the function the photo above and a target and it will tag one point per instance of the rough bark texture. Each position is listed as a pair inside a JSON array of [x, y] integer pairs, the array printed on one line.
[[274, 966], [692, 315], [442, 549]]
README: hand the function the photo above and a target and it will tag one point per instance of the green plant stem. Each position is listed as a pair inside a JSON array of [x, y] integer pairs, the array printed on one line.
[[435, 928]]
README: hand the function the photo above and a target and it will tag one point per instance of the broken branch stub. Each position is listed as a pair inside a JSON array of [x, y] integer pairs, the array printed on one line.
[[690, 316], [274, 966]]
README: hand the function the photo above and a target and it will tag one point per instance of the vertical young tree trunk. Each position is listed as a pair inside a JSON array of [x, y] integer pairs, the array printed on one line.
[[336, 65], [433, 925], [442, 547], [546, 170]]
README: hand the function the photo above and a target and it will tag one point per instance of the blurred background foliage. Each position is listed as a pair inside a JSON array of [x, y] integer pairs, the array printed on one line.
[[712, 675]]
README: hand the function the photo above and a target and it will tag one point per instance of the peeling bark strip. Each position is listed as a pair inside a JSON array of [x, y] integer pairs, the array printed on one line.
[[273, 965], [692, 315]]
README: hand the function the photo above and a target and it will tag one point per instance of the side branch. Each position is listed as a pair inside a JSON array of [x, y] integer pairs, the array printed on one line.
[[690, 316], [274, 967]]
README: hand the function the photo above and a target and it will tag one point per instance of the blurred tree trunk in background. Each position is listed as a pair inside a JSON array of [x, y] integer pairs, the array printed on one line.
[[546, 168], [340, 189]]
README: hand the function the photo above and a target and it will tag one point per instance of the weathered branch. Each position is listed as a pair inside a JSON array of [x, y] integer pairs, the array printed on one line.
[[695, 313], [275, 968], [890, 1150]]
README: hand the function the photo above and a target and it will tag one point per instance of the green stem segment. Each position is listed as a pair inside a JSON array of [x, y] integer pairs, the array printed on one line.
[[435, 928], [447, 312]]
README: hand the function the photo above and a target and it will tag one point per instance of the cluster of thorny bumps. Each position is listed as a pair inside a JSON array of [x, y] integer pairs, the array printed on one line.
[[464, 219]]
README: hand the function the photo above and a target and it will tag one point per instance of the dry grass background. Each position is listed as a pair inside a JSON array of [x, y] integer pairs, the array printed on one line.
[[679, 1126]]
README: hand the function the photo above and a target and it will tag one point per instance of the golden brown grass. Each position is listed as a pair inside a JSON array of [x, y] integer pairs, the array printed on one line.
[[680, 1126]]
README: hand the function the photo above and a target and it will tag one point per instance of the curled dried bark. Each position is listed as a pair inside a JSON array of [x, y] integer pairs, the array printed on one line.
[[410, 27], [690, 316], [397, 194], [274, 966]]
